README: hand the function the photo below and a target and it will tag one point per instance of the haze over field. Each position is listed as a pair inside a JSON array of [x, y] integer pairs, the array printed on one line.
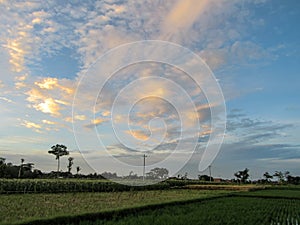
[[252, 48]]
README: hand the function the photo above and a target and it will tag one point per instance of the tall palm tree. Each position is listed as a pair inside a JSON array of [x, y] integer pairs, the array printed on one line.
[[59, 151]]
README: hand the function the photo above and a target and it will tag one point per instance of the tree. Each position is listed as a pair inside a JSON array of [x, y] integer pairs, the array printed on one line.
[[20, 169], [78, 169], [205, 178], [286, 174], [70, 159], [279, 175], [28, 166], [268, 176], [59, 151], [242, 175], [185, 177], [2, 167], [158, 173], [2, 161]]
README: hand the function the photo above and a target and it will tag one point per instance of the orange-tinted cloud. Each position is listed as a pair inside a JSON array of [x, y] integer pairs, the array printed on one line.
[[75, 117], [31, 125], [48, 122], [182, 16], [17, 54], [138, 134], [51, 95], [48, 106], [96, 122]]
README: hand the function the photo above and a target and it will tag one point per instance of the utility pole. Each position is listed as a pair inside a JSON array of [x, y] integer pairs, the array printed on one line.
[[209, 168], [144, 156]]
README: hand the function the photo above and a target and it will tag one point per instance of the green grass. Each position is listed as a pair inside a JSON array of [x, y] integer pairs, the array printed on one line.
[[274, 205], [229, 210], [284, 193], [26, 207], [13, 186]]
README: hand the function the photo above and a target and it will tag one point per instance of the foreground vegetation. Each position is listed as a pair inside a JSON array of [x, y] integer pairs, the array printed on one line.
[[15, 186], [231, 210], [28, 201], [28, 207]]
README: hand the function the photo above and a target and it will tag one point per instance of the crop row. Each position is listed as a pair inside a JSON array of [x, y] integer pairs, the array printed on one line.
[[229, 210], [8, 186]]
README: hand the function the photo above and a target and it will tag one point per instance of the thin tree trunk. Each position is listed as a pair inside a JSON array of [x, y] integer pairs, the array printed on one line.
[[58, 167], [20, 171]]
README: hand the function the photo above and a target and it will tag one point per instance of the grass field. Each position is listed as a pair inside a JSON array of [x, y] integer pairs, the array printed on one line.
[[26, 207], [275, 193], [191, 205], [231, 211]]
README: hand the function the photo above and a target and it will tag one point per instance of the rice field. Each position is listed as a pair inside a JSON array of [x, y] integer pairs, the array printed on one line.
[[225, 211], [17, 208], [176, 204]]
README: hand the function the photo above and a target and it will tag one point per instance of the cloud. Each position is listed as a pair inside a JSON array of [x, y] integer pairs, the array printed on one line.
[[75, 117], [50, 106], [20, 81], [17, 54], [31, 125], [177, 22], [216, 30], [50, 95], [138, 134], [95, 122], [6, 99], [250, 131], [49, 122], [95, 27], [47, 83]]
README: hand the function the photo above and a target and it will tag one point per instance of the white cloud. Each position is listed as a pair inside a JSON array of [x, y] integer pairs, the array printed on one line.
[[6, 99]]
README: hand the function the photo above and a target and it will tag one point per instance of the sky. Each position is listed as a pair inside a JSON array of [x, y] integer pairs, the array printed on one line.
[[57, 84]]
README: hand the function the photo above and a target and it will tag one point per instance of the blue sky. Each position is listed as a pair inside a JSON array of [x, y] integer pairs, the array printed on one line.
[[252, 48]]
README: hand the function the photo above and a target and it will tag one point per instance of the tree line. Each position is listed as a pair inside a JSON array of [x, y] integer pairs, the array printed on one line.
[[25, 170]]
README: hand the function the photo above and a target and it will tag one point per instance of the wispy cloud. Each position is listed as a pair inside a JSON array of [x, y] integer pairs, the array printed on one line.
[[6, 99], [31, 125], [50, 95]]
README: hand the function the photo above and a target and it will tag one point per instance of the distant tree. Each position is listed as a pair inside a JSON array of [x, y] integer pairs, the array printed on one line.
[[59, 151], [2, 167], [286, 174], [293, 180], [109, 175], [279, 175], [27, 170], [132, 175], [185, 177], [78, 169], [2, 160], [205, 178], [28, 166], [158, 173], [70, 164], [21, 167], [242, 175], [268, 176], [238, 176], [37, 173]]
